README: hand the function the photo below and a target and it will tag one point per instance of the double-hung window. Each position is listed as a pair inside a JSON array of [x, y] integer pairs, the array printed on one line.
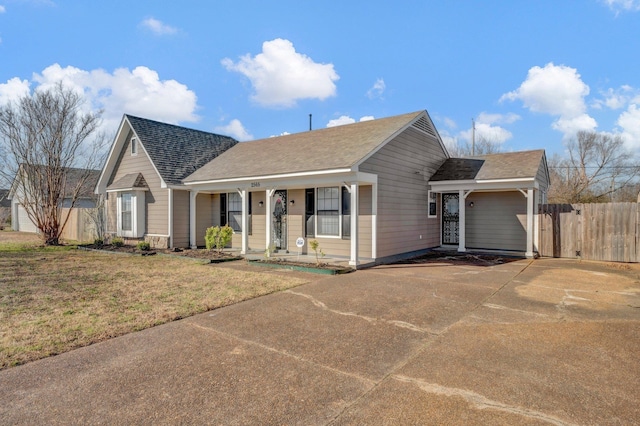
[[231, 210], [234, 204], [328, 211], [126, 212]]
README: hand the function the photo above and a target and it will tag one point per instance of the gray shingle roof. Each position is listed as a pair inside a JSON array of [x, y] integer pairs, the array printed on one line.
[[178, 151], [4, 201], [323, 149], [132, 180], [508, 165]]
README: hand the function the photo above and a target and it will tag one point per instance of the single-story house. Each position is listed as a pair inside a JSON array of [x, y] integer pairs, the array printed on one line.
[[368, 191], [20, 189]]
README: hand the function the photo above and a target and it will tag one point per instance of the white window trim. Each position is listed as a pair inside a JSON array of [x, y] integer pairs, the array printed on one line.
[[429, 195], [137, 214]]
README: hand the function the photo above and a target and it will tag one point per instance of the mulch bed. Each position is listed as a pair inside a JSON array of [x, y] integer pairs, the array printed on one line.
[[459, 259], [203, 254]]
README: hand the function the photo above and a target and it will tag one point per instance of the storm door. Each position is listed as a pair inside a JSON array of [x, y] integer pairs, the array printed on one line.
[[279, 218], [450, 218]]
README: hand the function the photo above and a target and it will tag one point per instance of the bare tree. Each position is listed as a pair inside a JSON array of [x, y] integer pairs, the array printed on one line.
[[49, 148], [597, 168], [482, 146]]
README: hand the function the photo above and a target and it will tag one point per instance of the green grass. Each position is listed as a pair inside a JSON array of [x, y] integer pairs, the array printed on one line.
[[54, 299]]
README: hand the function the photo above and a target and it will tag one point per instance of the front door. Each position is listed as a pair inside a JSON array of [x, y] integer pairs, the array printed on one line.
[[450, 218], [279, 218]]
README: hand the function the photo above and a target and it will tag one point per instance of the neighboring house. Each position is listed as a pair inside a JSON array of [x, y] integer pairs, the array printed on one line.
[[5, 207], [142, 178], [368, 191], [20, 220]]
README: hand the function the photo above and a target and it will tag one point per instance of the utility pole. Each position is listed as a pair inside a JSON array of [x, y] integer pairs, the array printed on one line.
[[473, 137]]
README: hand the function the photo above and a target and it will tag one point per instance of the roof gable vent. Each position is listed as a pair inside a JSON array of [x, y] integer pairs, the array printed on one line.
[[423, 124]]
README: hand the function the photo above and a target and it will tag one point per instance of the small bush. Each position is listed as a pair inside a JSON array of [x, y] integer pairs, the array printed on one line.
[[144, 246], [117, 241], [315, 246], [98, 242], [218, 237]]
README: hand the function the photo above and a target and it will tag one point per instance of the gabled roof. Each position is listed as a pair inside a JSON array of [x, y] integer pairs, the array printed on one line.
[[178, 151], [72, 178], [333, 148], [174, 151], [130, 181], [508, 165]]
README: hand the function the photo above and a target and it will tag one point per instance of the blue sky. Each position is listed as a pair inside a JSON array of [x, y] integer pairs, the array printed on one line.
[[530, 73]]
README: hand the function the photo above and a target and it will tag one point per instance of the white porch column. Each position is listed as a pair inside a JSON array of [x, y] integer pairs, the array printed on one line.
[[374, 221], [462, 233], [530, 203], [192, 219], [170, 230], [269, 223], [353, 189], [245, 220]]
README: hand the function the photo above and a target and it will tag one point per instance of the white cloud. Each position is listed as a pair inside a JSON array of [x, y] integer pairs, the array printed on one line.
[[2, 9], [280, 76], [158, 27], [345, 119], [623, 5], [487, 118], [617, 98], [138, 92], [377, 90], [629, 121], [234, 129], [13, 90], [559, 91], [450, 123]]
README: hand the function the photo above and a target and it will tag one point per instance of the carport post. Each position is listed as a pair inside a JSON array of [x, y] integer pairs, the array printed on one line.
[[268, 230], [530, 200]]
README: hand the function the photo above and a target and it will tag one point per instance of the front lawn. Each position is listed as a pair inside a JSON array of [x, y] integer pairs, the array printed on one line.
[[56, 299]]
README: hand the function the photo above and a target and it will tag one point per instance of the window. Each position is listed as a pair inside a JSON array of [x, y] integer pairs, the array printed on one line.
[[433, 204], [134, 146], [126, 212], [328, 219], [310, 212], [234, 203], [131, 214], [346, 213]]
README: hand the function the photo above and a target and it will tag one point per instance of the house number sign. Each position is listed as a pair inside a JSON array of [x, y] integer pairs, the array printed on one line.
[[255, 184]]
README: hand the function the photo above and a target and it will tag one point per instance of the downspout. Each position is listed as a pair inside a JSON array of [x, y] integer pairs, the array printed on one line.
[[170, 233]]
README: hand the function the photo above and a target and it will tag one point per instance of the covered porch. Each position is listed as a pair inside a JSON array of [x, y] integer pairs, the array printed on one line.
[[279, 215]]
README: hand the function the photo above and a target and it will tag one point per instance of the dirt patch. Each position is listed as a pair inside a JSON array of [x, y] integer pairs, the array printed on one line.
[[454, 258]]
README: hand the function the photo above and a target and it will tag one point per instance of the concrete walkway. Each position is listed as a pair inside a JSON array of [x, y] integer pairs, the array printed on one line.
[[526, 342]]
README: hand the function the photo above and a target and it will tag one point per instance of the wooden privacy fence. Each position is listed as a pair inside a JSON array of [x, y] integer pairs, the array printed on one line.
[[605, 231], [80, 227]]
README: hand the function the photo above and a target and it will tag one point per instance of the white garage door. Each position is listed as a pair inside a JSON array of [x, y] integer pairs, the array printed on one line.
[[24, 223]]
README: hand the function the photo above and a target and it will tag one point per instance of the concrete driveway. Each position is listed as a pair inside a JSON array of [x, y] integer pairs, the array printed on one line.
[[527, 342]]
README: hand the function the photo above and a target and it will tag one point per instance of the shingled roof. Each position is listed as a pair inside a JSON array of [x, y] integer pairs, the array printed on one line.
[[324, 149], [177, 151], [508, 165]]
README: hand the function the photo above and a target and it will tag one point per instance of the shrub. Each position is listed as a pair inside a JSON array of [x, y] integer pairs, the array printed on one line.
[[117, 241], [98, 242], [144, 246], [218, 237]]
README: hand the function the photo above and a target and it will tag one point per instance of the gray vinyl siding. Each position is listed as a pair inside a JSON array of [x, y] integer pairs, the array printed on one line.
[[180, 218], [204, 216], [157, 198], [404, 165], [497, 220]]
